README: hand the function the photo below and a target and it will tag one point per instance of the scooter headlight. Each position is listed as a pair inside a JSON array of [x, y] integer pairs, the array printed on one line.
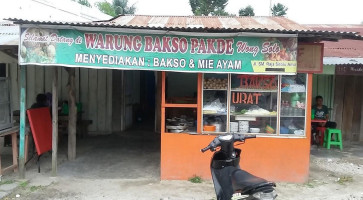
[[264, 196]]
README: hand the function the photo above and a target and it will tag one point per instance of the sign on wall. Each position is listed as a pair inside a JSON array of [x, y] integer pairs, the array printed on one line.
[[310, 58], [355, 70], [75, 48]]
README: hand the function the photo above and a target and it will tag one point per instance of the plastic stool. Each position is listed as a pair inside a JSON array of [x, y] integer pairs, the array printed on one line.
[[338, 139], [321, 130]]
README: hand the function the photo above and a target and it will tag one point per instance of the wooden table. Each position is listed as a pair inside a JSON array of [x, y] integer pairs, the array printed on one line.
[[14, 131], [14, 145]]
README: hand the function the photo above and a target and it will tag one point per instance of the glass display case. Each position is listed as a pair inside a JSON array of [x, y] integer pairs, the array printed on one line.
[[215, 106], [293, 104], [257, 104], [181, 120], [253, 104]]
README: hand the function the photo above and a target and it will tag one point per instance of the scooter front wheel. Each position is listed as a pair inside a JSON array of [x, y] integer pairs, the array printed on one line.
[[239, 196], [256, 196]]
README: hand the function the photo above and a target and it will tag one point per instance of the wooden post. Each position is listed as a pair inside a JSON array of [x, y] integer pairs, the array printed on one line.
[[162, 122], [72, 115], [54, 121], [199, 102], [123, 104], [22, 121], [158, 102]]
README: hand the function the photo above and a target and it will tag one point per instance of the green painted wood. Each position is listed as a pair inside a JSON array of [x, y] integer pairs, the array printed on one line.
[[329, 69], [22, 121], [323, 85]]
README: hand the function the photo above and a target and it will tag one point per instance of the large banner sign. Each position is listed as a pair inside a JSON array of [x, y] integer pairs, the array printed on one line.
[[185, 53]]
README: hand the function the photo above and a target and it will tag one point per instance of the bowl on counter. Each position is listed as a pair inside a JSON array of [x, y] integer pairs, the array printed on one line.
[[176, 130], [210, 128], [255, 130]]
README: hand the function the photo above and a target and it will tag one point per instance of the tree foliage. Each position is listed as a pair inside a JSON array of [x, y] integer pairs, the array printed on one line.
[[208, 7], [83, 2], [247, 11], [279, 10], [121, 7], [106, 8], [117, 7]]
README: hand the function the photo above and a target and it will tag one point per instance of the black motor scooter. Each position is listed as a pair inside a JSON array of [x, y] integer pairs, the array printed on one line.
[[228, 179]]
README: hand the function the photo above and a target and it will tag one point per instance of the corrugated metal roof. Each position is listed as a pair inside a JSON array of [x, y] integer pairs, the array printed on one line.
[[344, 49], [342, 61], [216, 24], [209, 22], [358, 28], [9, 33]]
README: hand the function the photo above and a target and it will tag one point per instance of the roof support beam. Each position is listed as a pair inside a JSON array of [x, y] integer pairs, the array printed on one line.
[[22, 121]]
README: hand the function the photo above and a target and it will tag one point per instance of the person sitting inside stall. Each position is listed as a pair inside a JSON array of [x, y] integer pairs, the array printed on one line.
[[321, 112], [41, 101]]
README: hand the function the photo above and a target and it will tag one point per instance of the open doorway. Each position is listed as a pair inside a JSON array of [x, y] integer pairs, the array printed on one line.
[[139, 97], [133, 152]]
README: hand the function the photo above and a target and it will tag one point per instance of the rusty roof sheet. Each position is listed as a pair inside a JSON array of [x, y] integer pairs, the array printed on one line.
[[342, 48], [357, 28], [213, 24]]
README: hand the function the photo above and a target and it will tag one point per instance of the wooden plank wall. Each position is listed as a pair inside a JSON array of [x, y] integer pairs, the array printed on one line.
[[339, 100], [94, 91], [349, 106], [348, 109], [117, 99], [356, 121]]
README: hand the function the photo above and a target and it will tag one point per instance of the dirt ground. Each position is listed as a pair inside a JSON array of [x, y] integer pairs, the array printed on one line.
[[334, 175]]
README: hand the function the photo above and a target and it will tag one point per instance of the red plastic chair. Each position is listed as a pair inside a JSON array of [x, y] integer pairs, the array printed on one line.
[[321, 131]]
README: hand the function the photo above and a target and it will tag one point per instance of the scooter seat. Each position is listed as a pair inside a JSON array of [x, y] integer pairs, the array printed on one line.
[[243, 181]]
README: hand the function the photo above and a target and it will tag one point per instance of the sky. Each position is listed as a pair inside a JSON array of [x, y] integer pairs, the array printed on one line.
[[303, 11]]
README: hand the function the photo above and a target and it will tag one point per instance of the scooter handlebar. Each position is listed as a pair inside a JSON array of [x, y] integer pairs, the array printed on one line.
[[216, 142], [205, 149], [250, 136], [243, 137]]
